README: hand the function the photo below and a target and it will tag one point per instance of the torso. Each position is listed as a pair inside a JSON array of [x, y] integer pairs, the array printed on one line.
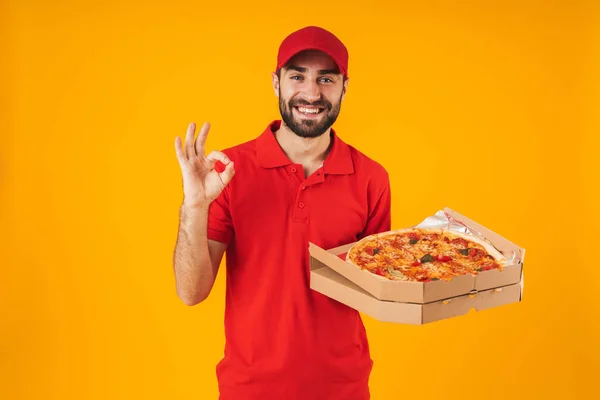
[[280, 333]]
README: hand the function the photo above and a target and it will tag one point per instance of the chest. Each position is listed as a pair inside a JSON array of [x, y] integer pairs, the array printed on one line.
[[279, 205]]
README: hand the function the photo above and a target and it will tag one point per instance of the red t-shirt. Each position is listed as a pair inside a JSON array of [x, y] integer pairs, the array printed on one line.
[[284, 340]]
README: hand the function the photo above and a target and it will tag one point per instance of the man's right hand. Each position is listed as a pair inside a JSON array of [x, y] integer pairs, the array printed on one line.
[[201, 182]]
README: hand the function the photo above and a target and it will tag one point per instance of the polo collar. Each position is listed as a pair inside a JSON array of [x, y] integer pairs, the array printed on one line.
[[270, 154]]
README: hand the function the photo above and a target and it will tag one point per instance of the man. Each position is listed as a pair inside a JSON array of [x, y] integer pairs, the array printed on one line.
[[294, 183]]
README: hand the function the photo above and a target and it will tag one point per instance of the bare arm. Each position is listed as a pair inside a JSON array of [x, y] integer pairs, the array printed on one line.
[[196, 259]]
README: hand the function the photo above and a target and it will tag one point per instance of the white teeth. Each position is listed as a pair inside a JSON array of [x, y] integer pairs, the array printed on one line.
[[308, 110]]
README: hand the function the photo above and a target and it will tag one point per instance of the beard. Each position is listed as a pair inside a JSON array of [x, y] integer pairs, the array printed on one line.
[[309, 128]]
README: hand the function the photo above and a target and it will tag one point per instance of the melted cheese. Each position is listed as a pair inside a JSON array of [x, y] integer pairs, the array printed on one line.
[[393, 255]]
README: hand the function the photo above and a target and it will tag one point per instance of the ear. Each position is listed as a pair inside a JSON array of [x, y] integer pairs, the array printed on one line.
[[275, 83], [345, 88]]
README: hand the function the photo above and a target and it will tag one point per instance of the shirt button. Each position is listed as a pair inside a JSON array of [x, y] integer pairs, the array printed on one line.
[[303, 187], [293, 169], [301, 205]]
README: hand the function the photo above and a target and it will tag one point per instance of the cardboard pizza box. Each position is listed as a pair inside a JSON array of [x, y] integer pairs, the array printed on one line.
[[328, 282], [417, 293]]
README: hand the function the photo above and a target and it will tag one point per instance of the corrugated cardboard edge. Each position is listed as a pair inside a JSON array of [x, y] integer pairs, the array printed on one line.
[[379, 288], [333, 285]]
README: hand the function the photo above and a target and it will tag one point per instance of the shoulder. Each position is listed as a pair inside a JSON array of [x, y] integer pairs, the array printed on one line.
[[367, 166], [247, 148], [242, 149], [242, 154]]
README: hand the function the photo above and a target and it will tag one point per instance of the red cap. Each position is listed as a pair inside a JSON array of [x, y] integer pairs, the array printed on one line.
[[313, 38]]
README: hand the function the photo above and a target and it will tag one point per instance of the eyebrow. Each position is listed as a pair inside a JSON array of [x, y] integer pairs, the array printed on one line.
[[321, 71]]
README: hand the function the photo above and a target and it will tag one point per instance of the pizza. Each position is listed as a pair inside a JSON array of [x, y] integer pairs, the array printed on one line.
[[423, 255]]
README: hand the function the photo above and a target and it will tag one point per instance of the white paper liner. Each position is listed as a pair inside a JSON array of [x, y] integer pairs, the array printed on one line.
[[442, 220]]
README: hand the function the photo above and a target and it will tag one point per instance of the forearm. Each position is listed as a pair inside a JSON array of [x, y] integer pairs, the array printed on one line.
[[192, 262]]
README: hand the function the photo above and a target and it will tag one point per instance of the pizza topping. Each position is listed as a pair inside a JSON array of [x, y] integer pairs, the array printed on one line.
[[461, 242], [396, 273], [421, 277], [422, 256], [426, 258], [476, 254], [487, 266], [372, 250]]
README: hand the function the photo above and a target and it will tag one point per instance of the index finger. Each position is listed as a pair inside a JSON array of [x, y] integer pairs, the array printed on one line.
[[201, 140]]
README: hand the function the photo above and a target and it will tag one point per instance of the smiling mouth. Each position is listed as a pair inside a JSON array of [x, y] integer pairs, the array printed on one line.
[[309, 110]]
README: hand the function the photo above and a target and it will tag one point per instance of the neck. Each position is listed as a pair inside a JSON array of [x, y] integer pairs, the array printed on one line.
[[303, 150]]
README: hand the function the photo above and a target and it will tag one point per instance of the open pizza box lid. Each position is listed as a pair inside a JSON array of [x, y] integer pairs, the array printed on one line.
[[368, 285]]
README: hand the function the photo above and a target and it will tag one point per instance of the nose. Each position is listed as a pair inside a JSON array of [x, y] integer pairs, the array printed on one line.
[[312, 91]]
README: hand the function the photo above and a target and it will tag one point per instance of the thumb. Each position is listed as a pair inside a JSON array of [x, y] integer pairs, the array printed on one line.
[[228, 173]]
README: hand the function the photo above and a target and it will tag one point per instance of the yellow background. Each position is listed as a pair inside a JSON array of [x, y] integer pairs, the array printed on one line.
[[490, 108]]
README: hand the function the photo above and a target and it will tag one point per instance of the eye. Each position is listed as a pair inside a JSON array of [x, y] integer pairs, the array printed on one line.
[[327, 80], [295, 76]]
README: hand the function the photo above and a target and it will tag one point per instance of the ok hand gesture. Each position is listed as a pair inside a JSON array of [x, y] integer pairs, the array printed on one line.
[[202, 183]]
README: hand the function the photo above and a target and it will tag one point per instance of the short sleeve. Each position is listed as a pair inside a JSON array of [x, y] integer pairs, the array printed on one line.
[[220, 225], [380, 216]]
